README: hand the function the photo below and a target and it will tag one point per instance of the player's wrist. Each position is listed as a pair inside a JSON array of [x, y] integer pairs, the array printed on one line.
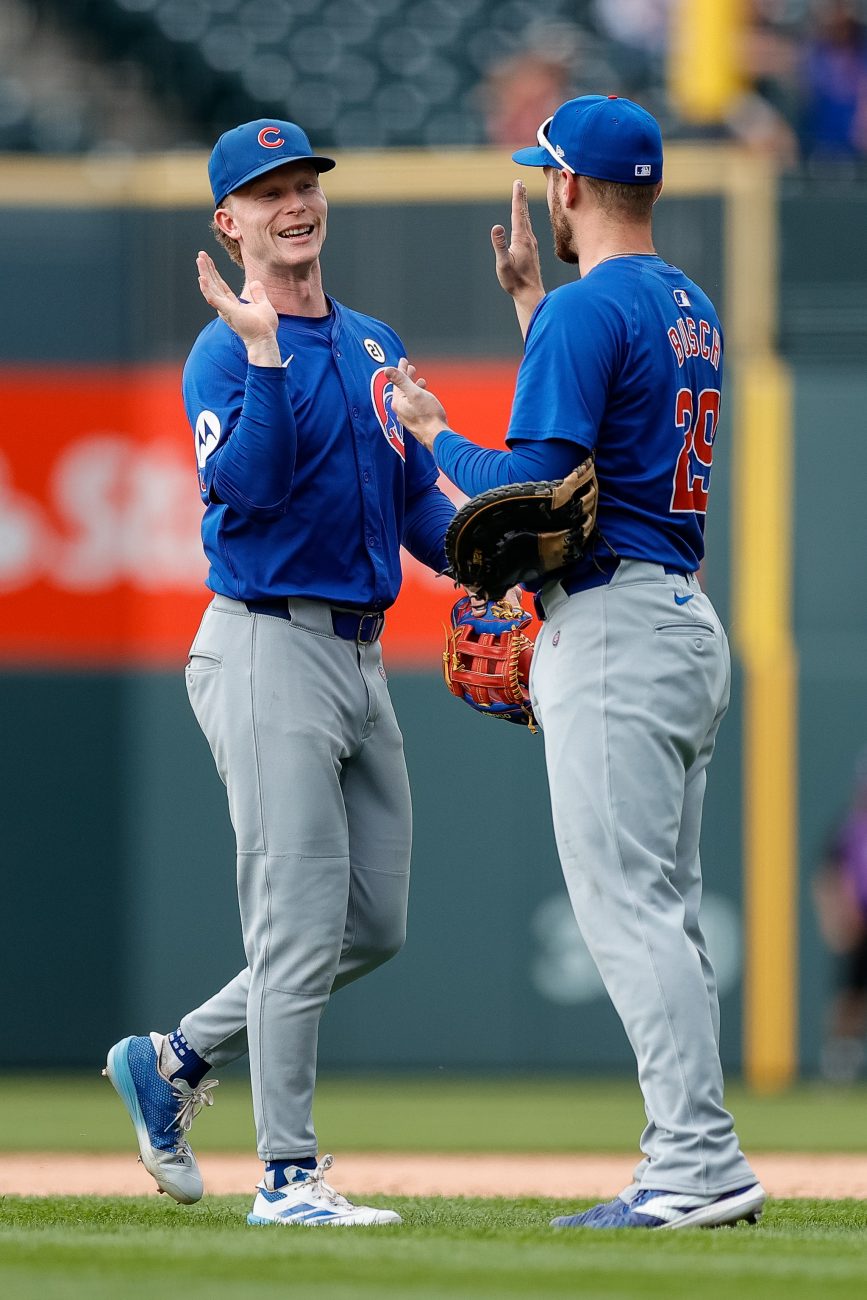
[[428, 432], [442, 428], [264, 352], [528, 296]]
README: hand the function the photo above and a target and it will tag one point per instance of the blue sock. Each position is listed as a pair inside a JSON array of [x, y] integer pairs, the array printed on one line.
[[193, 1067], [279, 1169]]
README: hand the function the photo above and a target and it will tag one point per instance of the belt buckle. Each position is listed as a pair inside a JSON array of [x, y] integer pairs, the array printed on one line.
[[375, 629]]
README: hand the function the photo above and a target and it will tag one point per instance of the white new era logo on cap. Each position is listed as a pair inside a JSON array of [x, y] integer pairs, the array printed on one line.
[[643, 169]]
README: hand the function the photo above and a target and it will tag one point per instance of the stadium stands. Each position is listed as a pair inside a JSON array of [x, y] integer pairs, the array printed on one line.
[[153, 74], [357, 72]]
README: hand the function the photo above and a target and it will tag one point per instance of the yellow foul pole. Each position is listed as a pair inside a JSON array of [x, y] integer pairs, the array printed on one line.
[[705, 59], [762, 632], [705, 78]]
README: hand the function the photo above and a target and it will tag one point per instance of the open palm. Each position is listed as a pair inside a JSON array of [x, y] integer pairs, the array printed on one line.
[[254, 321]]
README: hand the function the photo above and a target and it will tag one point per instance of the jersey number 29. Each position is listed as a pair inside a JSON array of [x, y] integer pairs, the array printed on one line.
[[692, 471]]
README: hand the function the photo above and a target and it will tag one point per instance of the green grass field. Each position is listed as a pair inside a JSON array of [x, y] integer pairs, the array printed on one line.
[[445, 1248], [72, 1248], [440, 1113]]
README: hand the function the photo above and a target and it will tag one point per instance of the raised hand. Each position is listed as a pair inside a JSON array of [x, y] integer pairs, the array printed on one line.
[[417, 409], [517, 263], [255, 322]]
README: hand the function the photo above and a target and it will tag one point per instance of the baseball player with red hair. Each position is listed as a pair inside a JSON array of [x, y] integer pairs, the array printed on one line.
[[309, 492]]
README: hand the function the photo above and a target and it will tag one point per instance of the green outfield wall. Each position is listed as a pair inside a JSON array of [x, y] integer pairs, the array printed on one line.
[[119, 891], [117, 883]]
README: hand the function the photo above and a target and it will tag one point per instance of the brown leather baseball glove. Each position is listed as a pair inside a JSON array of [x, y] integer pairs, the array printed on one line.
[[522, 532]]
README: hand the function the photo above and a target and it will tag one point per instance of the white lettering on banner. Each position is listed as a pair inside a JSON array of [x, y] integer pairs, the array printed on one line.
[[22, 530], [88, 497], [117, 512]]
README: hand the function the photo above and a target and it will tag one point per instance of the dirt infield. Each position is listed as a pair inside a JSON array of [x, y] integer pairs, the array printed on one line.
[[784, 1175]]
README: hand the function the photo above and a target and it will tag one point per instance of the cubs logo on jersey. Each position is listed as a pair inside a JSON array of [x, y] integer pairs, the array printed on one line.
[[381, 393]]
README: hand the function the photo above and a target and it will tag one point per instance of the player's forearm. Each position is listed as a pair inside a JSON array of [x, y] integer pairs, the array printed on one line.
[[256, 466], [426, 519], [477, 469], [525, 305]]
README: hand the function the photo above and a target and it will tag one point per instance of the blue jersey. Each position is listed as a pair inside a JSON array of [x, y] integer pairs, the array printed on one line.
[[627, 363], [308, 483]]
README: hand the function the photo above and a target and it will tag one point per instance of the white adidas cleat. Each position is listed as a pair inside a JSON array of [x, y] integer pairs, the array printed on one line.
[[309, 1202], [162, 1111]]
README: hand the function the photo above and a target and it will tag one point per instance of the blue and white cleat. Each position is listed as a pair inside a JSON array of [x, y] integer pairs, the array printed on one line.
[[162, 1111], [308, 1201], [659, 1209]]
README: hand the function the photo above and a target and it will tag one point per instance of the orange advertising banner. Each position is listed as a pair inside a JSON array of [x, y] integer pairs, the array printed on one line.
[[100, 558]]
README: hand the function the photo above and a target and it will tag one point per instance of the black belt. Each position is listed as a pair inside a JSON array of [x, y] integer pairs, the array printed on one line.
[[604, 569], [364, 626], [601, 575]]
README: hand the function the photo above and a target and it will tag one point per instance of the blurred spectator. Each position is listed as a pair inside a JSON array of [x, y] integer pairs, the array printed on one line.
[[834, 83], [643, 24], [637, 33], [763, 118], [840, 895], [155, 74], [521, 92], [58, 95], [755, 123]]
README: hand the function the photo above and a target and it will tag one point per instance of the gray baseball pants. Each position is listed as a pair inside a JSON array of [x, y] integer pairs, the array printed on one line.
[[304, 737], [630, 682]]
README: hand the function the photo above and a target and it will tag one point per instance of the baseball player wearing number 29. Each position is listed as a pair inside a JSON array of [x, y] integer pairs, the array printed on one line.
[[630, 677], [309, 492]]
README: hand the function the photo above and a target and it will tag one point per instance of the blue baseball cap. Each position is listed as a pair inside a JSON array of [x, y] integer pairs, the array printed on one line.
[[603, 136], [252, 148]]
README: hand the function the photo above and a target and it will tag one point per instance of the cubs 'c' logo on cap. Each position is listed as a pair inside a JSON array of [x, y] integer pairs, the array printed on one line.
[[381, 392], [270, 138]]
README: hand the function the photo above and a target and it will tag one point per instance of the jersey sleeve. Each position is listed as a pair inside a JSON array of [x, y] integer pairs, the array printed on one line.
[[476, 469], [244, 429], [575, 345], [427, 510]]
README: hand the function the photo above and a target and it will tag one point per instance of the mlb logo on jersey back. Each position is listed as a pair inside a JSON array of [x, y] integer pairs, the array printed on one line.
[[681, 297]]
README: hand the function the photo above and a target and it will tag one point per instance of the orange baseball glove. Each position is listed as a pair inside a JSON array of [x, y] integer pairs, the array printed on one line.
[[486, 661]]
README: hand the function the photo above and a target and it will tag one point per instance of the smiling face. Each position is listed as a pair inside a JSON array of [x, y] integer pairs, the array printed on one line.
[[278, 221]]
